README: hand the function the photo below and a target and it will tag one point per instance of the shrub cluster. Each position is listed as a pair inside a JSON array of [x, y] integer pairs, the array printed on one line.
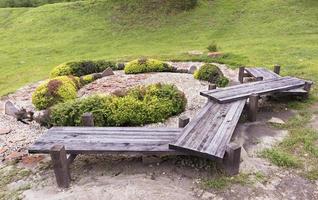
[[144, 65], [53, 91], [211, 73], [81, 68], [138, 106]]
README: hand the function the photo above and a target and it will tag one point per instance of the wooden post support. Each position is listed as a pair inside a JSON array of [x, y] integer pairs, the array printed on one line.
[[277, 69], [87, 119], [232, 159], [253, 107], [241, 74], [259, 78], [307, 86], [60, 166], [183, 121], [212, 87]]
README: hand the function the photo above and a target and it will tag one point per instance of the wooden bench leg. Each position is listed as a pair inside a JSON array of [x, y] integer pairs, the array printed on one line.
[[232, 159], [307, 87], [277, 69], [253, 107], [241, 74], [60, 166]]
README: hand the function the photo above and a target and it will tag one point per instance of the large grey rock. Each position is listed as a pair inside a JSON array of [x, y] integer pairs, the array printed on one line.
[[107, 72], [10, 109], [276, 120], [192, 69]]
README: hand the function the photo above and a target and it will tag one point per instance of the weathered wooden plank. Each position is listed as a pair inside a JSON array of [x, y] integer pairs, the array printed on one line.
[[261, 72], [103, 140], [101, 148], [109, 129], [210, 132], [237, 92]]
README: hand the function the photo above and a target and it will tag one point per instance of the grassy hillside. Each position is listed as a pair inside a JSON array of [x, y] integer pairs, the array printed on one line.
[[264, 32]]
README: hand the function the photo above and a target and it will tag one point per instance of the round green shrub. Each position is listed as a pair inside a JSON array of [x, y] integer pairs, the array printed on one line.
[[145, 65], [55, 90], [81, 68], [211, 73], [87, 79], [140, 105]]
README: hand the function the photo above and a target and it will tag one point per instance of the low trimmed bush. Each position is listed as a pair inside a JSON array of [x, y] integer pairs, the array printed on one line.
[[139, 106], [211, 73], [145, 65], [81, 68], [87, 79], [56, 90]]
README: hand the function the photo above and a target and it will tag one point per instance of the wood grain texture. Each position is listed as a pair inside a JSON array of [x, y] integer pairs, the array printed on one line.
[[267, 74], [210, 132], [243, 91], [84, 140]]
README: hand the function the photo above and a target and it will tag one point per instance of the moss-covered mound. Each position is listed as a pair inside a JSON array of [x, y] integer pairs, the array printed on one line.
[[81, 68], [139, 106], [56, 90], [145, 65], [211, 73]]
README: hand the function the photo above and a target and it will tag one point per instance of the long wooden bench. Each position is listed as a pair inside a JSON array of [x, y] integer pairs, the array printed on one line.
[[60, 141], [209, 133], [243, 91], [260, 73]]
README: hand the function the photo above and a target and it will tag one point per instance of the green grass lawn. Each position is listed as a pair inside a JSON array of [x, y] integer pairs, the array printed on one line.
[[264, 32]]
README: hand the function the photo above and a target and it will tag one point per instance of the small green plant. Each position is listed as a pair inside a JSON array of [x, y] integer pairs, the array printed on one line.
[[280, 158], [53, 91], [144, 65], [87, 79], [139, 106], [211, 73], [81, 68], [225, 181], [212, 47]]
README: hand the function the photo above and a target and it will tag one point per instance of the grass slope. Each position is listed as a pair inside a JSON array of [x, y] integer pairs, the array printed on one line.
[[264, 32]]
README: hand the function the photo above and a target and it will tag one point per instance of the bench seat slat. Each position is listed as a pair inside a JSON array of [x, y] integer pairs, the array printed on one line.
[[243, 91], [210, 132], [88, 140]]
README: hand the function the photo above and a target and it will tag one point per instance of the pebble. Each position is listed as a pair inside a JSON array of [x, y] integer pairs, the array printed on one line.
[[4, 131]]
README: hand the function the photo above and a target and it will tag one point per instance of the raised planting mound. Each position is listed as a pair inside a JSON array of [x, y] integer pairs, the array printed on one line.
[[54, 91], [211, 73], [144, 65], [80, 68], [139, 106]]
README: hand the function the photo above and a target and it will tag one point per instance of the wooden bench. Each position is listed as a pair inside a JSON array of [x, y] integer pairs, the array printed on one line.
[[209, 133], [260, 73], [243, 91], [60, 141]]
